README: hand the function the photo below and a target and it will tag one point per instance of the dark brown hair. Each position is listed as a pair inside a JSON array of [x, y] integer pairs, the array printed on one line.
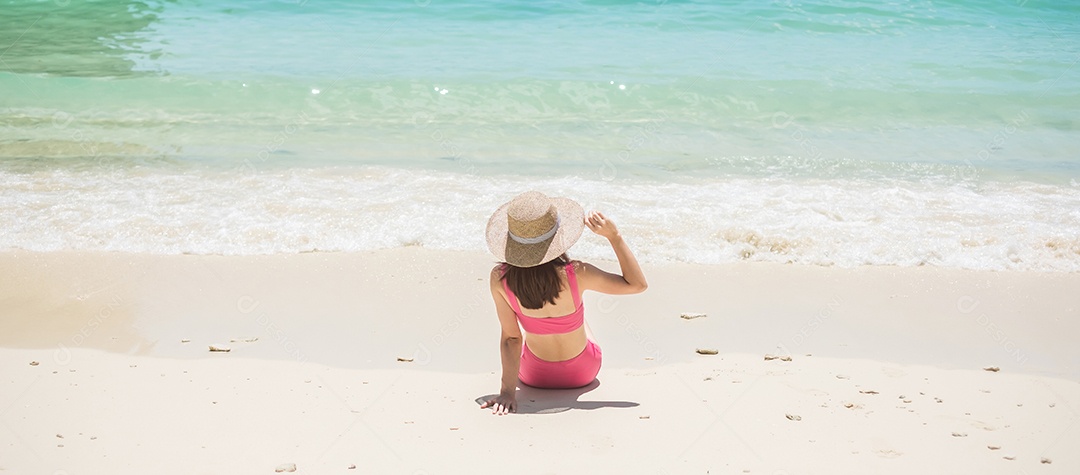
[[535, 286]]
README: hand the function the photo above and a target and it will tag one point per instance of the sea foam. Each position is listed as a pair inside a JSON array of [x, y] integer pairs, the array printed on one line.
[[841, 222]]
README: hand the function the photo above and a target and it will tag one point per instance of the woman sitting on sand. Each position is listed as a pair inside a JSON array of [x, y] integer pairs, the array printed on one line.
[[538, 286]]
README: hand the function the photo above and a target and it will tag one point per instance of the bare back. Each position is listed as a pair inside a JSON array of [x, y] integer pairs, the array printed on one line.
[[557, 346]]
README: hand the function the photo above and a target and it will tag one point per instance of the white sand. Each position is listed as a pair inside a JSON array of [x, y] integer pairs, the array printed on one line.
[[117, 391]]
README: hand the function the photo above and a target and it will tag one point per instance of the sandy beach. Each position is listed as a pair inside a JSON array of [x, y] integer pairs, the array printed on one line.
[[375, 360], [250, 237]]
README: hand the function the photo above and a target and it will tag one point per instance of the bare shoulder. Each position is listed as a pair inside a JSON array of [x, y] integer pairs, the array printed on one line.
[[582, 266], [584, 270], [495, 277]]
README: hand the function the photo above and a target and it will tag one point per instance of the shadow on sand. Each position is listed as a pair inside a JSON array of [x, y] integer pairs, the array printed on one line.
[[550, 401]]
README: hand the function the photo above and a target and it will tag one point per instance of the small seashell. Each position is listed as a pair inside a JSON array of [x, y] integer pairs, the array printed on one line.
[[34, 363], [793, 417], [405, 360], [1045, 460], [992, 369], [1009, 457], [185, 340], [994, 447], [869, 391], [691, 316], [959, 434], [220, 348], [286, 467], [706, 351], [352, 466]]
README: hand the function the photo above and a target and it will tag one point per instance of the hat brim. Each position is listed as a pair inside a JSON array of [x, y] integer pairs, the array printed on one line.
[[571, 225]]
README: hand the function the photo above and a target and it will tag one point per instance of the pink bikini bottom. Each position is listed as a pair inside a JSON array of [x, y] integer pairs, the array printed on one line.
[[572, 373]]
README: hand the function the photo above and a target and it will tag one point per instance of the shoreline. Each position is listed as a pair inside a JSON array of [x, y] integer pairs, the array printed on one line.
[[278, 209], [313, 377]]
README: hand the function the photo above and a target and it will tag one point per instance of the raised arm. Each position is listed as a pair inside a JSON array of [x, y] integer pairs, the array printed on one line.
[[631, 281], [509, 349]]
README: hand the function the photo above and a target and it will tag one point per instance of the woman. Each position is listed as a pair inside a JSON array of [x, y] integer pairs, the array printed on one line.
[[538, 286]]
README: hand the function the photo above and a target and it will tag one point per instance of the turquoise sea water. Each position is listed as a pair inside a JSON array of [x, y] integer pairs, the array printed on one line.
[[825, 132]]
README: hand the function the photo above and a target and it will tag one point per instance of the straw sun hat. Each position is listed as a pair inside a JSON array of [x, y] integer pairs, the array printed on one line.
[[534, 228]]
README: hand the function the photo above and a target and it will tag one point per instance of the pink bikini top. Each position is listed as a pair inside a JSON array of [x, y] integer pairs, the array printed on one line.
[[551, 325]]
